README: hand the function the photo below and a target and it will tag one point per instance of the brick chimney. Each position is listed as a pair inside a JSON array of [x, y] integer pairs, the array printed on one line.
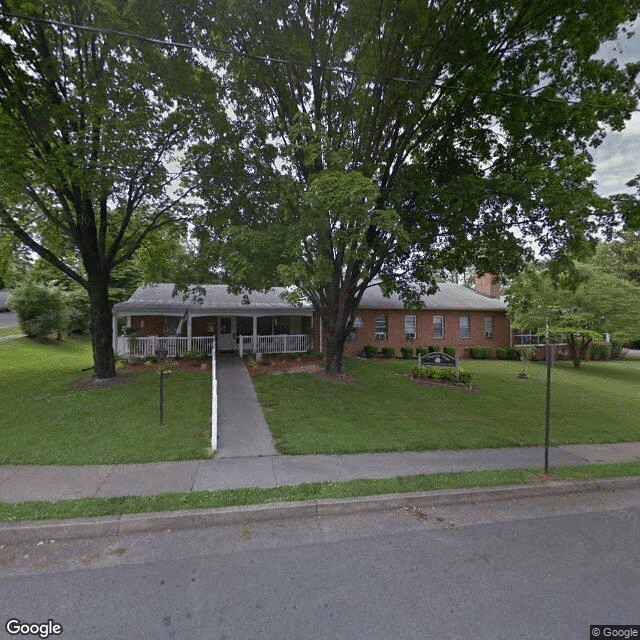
[[488, 285]]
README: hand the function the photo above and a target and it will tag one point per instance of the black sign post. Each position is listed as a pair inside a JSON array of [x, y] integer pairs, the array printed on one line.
[[547, 426]]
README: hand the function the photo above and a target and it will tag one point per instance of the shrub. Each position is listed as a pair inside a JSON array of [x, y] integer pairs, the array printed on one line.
[[616, 349], [40, 309], [601, 351], [193, 356], [526, 352], [150, 359], [450, 351], [389, 352], [370, 350], [481, 353], [78, 311], [407, 352], [433, 349], [449, 374], [502, 353], [513, 353], [422, 351]]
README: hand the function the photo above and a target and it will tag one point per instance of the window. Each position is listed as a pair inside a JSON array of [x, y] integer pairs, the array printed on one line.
[[465, 327], [281, 325], [410, 327], [489, 327], [381, 327], [438, 327], [527, 336]]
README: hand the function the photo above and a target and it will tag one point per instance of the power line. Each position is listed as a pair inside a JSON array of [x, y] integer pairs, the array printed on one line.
[[267, 59]]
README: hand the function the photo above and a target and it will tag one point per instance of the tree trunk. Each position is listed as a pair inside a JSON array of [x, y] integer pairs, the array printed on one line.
[[101, 327], [578, 348], [336, 317], [335, 351]]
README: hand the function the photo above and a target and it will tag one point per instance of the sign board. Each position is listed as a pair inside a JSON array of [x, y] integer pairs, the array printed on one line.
[[438, 359]]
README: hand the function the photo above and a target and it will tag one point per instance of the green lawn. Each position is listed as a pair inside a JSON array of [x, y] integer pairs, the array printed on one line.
[[385, 411], [43, 421], [10, 331]]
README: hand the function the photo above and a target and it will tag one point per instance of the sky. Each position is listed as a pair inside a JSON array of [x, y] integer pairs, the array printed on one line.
[[617, 159]]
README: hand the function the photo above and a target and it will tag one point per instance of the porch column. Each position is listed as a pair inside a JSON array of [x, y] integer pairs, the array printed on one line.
[[254, 339], [114, 329], [189, 332]]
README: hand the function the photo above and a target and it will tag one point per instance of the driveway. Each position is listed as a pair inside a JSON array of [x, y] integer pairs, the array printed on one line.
[[8, 319]]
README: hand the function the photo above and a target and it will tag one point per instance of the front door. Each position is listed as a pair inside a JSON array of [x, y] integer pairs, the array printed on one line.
[[226, 334]]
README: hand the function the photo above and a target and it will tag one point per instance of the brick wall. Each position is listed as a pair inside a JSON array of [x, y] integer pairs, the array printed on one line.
[[424, 330], [148, 325]]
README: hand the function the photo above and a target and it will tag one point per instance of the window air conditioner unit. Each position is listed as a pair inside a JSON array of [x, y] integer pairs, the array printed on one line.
[[411, 336], [488, 334], [381, 335]]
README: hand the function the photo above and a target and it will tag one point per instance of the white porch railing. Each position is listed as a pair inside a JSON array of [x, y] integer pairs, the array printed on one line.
[[143, 347], [273, 344]]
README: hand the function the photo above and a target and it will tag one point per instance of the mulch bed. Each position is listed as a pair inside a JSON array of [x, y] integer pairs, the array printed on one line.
[[282, 365], [102, 383], [126, 373], [440, 383], [180, 363]]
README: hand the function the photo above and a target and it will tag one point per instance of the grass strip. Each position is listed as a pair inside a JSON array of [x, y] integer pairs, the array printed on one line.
[[10, 331], [94, 507]]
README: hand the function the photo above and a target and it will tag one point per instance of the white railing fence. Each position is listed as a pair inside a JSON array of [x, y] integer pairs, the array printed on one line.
[[273, 344], [143, 347], [214, 400]]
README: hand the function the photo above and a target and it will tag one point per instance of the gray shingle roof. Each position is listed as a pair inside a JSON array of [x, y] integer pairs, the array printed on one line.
[[160, 297], [449, 297]]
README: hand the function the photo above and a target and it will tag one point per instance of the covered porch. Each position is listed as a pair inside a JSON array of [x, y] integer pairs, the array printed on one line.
[[154, 319]]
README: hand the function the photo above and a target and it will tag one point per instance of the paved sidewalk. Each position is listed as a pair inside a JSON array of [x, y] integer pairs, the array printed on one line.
[[18, 483], [242, 429]]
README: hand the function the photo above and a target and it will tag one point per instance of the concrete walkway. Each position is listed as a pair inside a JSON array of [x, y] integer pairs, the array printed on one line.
[[52, 483], [242, 429]]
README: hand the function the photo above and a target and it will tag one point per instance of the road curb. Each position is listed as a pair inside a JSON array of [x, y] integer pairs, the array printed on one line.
[[200, 518]]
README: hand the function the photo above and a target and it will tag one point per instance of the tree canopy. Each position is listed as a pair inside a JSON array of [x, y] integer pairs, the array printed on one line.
[[580, 307], [94, 129], [390, 140]]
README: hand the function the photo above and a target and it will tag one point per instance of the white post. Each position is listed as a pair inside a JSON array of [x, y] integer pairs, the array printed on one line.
[[214, 399], [240, 345], [114, 329], [189, 329], [254, 339]]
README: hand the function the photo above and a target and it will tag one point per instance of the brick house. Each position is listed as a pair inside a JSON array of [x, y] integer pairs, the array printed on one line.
[[454, 316]]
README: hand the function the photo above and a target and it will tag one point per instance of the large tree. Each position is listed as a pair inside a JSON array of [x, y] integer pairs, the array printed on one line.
[[579, 307], [383, 139], [94, 127]]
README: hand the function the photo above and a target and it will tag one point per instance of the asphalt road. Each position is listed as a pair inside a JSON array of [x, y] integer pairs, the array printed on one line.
[[537, 568], [8, 319]]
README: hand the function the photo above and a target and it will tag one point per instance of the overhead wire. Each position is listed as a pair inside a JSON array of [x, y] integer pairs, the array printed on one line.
[[269, 59]]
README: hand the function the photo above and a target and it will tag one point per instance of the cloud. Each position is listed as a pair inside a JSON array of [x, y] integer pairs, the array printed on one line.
[[617, 159]]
